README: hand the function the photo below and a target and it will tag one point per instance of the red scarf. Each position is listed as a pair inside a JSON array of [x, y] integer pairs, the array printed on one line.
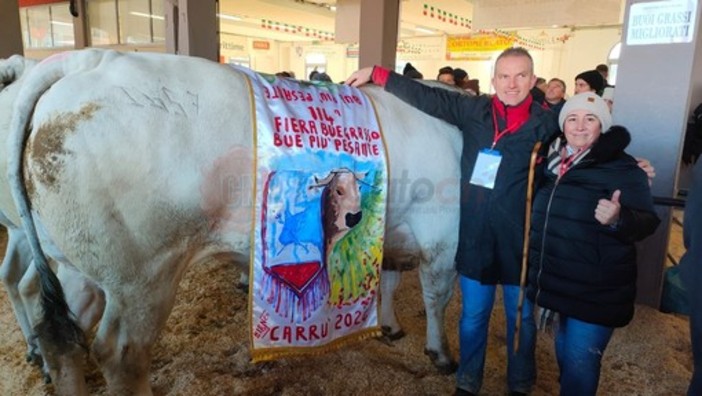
[[515, 116]]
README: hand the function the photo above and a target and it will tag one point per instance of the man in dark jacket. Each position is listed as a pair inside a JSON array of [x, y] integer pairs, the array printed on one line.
[[691, 270], [499, 135]]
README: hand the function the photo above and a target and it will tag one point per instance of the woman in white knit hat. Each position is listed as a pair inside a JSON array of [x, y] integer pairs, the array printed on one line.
[[592, 205]]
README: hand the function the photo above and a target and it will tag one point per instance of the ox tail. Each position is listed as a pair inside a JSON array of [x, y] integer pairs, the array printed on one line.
[[57, 327]]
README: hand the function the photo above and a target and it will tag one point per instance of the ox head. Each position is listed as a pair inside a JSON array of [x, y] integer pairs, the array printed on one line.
[[341, 203]]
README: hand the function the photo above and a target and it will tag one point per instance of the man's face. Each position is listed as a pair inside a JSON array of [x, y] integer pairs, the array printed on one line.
[[514, 77], [582, 86], [554, 92], [447, 78]]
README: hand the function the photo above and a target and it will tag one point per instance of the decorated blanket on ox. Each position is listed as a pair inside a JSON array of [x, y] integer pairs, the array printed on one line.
[[319, 217]]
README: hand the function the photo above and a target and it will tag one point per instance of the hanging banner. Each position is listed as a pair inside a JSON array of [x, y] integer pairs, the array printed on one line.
[[475, 46], [317, 243]]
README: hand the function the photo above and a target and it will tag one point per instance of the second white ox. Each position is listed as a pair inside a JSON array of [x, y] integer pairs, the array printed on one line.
[[136, 166], [18, 276]]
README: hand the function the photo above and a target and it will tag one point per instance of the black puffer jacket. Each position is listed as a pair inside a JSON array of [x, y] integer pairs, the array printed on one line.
[[492, 221], [577, 266]]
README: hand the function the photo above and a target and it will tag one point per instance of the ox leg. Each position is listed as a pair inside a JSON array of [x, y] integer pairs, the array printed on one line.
[[85, 299], [134, 316], [389, 280], [438, 279], [12, 270]]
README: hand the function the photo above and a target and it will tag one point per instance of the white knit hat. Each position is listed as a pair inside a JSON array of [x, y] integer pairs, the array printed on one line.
[[591, 102]]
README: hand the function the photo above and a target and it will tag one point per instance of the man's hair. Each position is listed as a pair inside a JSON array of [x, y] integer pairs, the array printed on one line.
[[602, 68], [517, 51], [540, 80], [563, 84], [445, 70]]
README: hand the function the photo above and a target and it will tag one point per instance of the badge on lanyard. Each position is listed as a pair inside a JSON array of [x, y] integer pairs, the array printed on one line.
[[485, 169]]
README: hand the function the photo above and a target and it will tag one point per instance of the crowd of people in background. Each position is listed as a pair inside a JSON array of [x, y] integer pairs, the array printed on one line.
[[551, 94]]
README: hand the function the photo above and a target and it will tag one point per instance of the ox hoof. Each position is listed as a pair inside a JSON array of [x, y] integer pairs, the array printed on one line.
[[47, 378], [444, 367], [387, 333]]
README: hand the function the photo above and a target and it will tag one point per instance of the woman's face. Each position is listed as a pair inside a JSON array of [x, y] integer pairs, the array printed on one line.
[[581, 128]]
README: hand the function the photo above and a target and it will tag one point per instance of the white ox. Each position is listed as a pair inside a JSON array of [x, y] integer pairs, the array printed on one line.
[[125, 161], [19, 278]]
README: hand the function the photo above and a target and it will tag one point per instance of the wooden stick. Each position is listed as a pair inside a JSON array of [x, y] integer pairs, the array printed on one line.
[[525, 249]]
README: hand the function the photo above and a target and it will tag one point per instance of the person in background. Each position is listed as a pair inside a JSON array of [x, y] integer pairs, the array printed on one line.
[[446, 75], [592, 205], [501, 132], [313, 74], [539, 90], [541, 84], [691, 271], [322, 77], [604, 72], [589, 81], [460, 76], [555, 95], [474, 85], [411, 72], [608, 96]]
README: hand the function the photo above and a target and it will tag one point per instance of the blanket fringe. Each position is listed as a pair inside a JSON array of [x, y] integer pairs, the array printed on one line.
[[268, 354]]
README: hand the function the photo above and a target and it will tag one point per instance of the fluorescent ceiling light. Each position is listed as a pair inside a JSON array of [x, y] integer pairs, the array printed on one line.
[[229, 17], [145, 15], [424, 30], [61, 23], [332, 8]]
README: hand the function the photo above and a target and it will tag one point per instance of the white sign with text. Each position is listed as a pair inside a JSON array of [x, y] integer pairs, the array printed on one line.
[[662, 22]]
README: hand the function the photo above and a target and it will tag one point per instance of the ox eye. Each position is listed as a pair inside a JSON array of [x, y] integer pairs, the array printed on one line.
[[339, 191]]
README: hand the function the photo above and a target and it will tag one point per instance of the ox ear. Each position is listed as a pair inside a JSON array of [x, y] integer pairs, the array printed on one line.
[[323, 182]]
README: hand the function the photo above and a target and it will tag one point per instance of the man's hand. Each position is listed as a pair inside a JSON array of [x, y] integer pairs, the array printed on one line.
[[607, 211], [360, 77], [646, 166]]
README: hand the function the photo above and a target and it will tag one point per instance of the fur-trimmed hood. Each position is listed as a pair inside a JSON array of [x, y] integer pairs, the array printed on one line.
[[610, 144]]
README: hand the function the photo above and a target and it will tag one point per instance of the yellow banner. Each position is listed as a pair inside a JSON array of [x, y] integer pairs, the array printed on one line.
[[477, 43]]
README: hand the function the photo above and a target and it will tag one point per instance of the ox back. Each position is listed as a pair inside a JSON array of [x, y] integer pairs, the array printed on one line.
[[137, 165]]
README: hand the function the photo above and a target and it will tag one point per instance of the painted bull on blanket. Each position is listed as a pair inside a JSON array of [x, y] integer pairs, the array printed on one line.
[[18, 277], [117, 163]]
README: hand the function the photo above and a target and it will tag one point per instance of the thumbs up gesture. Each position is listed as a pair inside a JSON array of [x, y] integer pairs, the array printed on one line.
[[607, 211]]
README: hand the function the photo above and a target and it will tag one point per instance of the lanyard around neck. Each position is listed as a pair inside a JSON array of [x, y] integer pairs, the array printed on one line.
[[498, 135], [567, 162]]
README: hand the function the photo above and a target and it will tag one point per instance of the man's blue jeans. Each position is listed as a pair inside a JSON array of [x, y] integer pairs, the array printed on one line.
[[579, 349], [478, 300]]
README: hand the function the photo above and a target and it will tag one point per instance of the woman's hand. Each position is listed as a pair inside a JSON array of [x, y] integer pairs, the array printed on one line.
[[360, 77], [607, 211]]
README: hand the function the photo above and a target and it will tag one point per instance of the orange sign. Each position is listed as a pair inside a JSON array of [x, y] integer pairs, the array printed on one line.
[[262, 45]]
